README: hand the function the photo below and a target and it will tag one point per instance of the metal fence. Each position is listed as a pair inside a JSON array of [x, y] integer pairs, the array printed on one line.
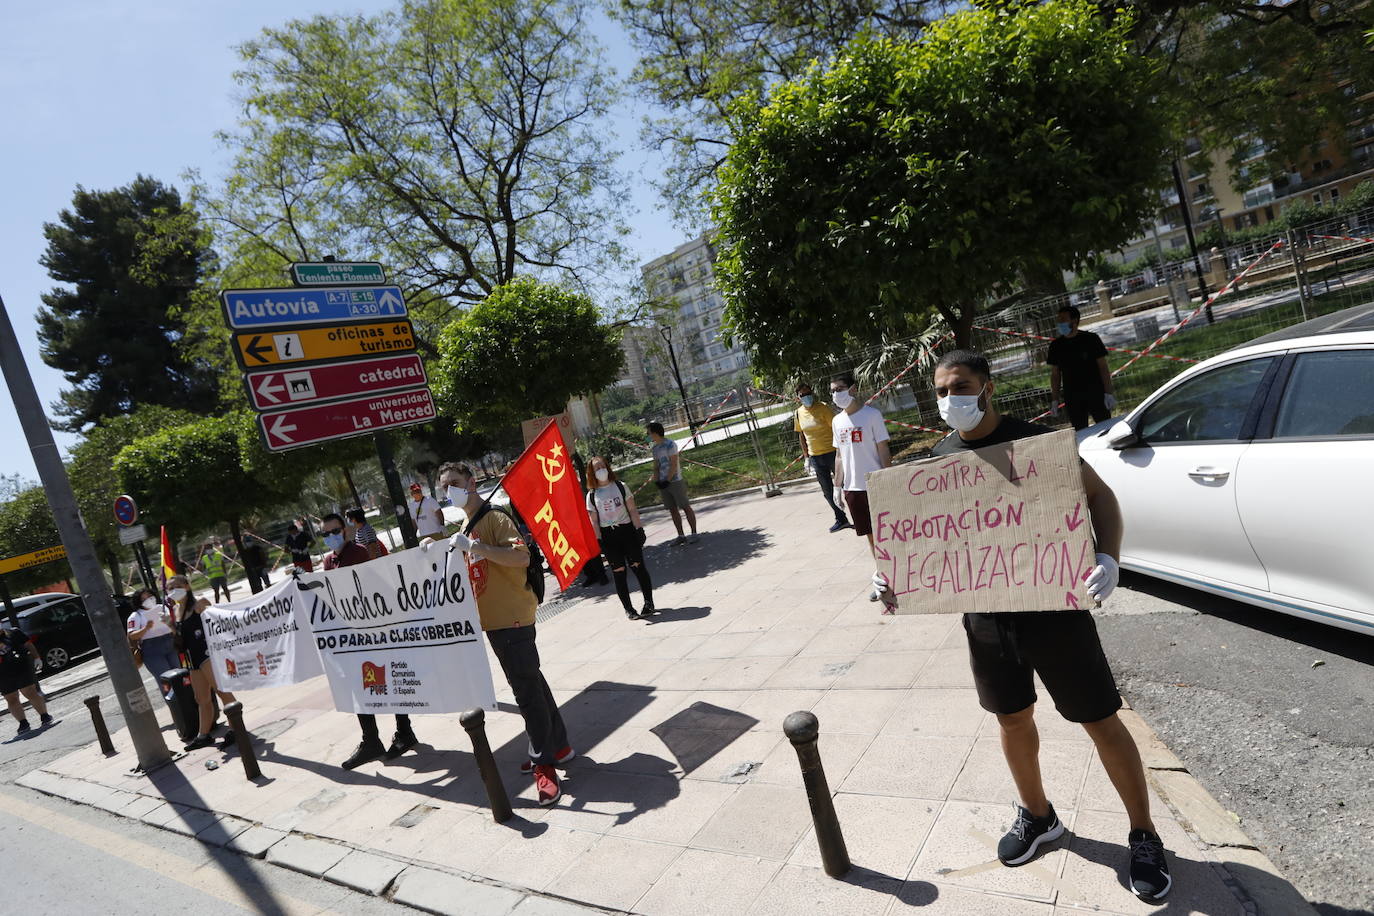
[[745, 436]]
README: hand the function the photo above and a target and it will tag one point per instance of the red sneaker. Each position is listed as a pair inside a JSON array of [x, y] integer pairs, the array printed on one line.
[[546, 784], [562, 757]]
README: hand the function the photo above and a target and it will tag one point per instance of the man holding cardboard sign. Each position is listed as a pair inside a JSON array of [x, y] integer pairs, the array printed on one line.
[[993, 525]]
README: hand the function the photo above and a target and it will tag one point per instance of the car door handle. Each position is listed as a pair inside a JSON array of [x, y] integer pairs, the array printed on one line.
[[1206, 473]]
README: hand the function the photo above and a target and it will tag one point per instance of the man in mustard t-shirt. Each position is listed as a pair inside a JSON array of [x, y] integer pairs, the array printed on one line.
[[812, 425], [497, 564]]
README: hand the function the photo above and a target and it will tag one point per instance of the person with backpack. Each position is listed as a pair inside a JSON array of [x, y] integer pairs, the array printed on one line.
[[499, 564], [17, 657], [621, 533]]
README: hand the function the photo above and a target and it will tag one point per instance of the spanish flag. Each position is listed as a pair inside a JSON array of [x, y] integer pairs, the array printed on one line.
[[169, 561]]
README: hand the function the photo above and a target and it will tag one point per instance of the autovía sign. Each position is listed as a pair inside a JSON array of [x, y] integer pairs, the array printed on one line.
[[264, 308]]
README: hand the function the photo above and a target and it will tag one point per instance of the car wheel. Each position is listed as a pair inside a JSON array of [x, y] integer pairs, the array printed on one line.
[[56, 658]]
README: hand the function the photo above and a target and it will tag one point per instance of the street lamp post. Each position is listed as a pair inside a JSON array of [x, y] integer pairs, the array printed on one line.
[[666, 332], [1192, 239]]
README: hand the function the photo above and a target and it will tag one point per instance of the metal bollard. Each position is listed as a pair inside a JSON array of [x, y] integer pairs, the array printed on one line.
[[802, 729], [242, 740], [102, 734], [474, 723]]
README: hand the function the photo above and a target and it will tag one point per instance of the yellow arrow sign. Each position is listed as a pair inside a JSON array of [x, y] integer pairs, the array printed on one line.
[[293, 346], [36, 558]]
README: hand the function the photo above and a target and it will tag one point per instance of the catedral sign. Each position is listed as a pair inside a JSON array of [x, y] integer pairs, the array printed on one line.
[[1002, 528]]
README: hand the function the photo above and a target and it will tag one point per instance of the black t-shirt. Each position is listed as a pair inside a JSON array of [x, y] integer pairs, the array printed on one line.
[[1007, 430], [14, 654], [192, 629], [299, 545], [1076, 358], [253, 557]]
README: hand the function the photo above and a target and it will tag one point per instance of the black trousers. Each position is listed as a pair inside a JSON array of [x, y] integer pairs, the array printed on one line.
[[1079, 406], [515, 649], [368, 722]]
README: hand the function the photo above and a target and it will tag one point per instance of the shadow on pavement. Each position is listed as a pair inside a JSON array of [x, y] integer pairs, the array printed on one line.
[[715, 551], [701, 731], [1357, 647]]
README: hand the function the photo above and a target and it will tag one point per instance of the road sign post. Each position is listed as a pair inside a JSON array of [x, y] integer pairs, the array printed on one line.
[[248, 309], [109, 629]]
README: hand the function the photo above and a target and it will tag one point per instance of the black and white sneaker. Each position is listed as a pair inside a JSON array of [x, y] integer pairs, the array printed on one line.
[[1027, 834], [1150, 879]]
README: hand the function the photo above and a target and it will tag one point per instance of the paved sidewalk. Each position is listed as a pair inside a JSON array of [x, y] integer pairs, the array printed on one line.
[[685, 797]]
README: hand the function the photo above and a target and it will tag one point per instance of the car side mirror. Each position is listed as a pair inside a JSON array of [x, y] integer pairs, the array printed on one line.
[[1121, 435]]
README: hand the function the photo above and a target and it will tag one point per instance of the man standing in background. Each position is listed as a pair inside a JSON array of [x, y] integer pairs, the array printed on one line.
[[1078, 368], [812, 423], [860, 441]]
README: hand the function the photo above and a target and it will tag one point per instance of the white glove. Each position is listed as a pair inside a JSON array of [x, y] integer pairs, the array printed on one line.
[[1109, 401], [1102, 580], [425, 544], [1054, 409], [460, 541]]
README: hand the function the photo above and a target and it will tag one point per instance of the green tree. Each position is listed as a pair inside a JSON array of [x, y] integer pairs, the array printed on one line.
[[26, 524], [457, 140], [912, 178], [520, 353], [132, 255]]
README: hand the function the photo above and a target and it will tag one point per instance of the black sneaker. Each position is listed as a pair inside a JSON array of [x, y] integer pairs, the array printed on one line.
[[1027, 834], [198, 742], [1150, 879], [368, 750], [44, 720], [400, 743], [648, 611], [631, 613], [24, 727], [840, 525], [227, 739]]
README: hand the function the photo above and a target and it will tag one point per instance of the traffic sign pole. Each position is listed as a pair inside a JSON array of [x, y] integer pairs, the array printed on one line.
[[109, 629], [393, 486]]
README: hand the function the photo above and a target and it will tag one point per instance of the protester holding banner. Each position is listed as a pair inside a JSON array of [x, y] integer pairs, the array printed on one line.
[[345, 551], [191, 626], [613, 513], [859, 436], [497, 562], [1062, 647]]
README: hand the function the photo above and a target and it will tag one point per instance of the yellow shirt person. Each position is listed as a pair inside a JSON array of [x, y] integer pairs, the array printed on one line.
[[812, 423]]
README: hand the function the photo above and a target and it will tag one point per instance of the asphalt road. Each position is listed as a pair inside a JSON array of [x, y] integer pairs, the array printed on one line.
[[1272, 714]]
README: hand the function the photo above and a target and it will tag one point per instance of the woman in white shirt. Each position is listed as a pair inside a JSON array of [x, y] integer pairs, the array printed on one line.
[[616, 520], [150, 628]]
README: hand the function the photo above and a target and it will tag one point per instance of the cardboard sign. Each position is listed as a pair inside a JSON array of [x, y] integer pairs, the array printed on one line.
[[1002, 528], [531, 429], [400, 634], [261, 641]]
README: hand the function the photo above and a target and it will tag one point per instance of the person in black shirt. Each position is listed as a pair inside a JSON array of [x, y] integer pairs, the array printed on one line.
[[1078, 369], [255, 562], [1006, 650], [299, 543], [191, 629], [17, 655]]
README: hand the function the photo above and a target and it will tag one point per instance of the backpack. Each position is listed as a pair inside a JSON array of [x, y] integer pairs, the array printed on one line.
[[534, 573]]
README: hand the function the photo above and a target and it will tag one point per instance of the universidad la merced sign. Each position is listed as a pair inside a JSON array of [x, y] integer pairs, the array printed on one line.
[[399, 634]]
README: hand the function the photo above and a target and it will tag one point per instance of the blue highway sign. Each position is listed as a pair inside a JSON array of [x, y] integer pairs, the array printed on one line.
[[267, 308]]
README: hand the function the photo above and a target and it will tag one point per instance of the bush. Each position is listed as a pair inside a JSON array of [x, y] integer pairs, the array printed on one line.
[[619, 443]]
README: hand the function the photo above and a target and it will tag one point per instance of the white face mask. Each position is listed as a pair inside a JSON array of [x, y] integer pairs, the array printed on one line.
[[603, 475], [842, 399], [177, 594], [961, 411], [457, 495], [149, 604]]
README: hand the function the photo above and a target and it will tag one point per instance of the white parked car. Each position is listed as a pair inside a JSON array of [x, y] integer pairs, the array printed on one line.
[[1251, 475]]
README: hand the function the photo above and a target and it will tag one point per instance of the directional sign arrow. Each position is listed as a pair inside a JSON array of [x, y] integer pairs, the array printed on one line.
[[268, 390], [280, 428], [391, 302], [256, 349]]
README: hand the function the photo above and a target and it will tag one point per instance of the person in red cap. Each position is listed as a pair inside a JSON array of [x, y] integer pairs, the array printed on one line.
[[425, 512]]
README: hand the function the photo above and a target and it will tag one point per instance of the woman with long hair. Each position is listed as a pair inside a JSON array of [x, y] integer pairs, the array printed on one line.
[[616, 520], [150, 629], [192, 629]]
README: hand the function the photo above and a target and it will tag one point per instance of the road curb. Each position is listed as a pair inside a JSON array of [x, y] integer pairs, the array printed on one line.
[[1255, 880], [423, 886]]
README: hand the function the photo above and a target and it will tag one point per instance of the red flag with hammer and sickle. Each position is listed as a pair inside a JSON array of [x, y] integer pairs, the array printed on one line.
[[543, 487]]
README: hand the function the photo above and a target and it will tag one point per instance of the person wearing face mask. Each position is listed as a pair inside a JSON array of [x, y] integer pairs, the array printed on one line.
[[498, 560], [812, 424], [860, 437], [668, 478], [215, 565], [344, 550], [1078, 369], [191, 626], [1062, 647], [149, 629], [615, 517], [425, 512]]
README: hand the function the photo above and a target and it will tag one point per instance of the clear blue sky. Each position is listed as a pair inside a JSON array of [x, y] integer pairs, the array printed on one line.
[[98, 92]]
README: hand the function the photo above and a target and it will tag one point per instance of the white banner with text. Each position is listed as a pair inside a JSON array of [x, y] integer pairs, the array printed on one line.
[[260, 641]]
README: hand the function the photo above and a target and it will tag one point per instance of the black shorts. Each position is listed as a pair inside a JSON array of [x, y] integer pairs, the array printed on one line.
[[13, 678], [857, 501], [1061, 646], [621, 544]]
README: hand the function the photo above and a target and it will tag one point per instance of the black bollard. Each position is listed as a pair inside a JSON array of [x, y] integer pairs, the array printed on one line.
[[244, 741], [102, 734], [474, 722], [802, 729]]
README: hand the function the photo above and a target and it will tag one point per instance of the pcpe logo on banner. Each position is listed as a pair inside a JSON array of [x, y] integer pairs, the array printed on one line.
[[374, 678], [230, 668]]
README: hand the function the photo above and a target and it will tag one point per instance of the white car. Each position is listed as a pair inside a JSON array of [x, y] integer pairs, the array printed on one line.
[[1251, 475]]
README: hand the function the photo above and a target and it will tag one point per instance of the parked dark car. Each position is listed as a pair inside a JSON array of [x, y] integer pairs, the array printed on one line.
[[61, 630]]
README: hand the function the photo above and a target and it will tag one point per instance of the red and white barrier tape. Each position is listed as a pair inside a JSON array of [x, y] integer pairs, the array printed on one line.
[[1177, 359], [725, 400], [1343, 238]]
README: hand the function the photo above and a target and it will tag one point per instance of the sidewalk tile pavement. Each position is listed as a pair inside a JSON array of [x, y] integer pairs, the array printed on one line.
[[685, 797]]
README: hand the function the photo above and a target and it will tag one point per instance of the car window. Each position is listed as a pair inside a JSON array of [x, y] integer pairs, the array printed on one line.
[[64, 612], [1207, 407], [1329, 394]]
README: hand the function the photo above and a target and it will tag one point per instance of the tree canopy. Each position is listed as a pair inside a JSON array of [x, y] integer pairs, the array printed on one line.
[[521, 353], [915, 177], [132, 256], [457, 140], [26, 524]]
